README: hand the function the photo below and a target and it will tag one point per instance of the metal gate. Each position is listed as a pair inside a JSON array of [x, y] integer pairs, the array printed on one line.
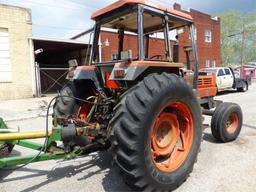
[[49, 80]]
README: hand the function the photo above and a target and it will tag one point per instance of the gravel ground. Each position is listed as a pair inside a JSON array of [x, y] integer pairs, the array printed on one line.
[[220, 167]]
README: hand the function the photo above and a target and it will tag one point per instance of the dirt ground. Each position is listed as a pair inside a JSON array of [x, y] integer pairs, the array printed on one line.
[[220, 167]]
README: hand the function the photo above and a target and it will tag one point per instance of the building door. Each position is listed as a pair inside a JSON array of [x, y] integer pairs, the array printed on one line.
[[5, 61]]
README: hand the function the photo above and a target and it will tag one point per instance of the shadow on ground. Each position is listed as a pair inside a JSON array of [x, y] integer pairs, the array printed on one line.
[[209, 138], [102, 160], [112, 180], [227, 92], [249, 126]]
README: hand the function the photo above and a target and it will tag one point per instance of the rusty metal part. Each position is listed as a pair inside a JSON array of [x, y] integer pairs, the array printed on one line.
[[5, 149], [91, 130]]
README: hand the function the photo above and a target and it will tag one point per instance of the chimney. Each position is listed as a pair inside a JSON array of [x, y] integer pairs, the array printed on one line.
[[177, 6]]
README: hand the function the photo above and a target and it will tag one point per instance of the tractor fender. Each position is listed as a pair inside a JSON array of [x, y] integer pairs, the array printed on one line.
[[87, 73], [131, 71], [126, 71]]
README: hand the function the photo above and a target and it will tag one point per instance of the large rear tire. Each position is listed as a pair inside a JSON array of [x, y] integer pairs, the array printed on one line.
[[66, 105], [156, 133]]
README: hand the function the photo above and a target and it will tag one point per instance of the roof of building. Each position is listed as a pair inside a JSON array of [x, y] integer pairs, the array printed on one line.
[[121, 3], [16, 7], [71, 41], [53, 45]]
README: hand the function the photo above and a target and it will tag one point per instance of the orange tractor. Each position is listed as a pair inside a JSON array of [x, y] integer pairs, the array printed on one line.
[[149, 116], [141, 107], [144, 108]]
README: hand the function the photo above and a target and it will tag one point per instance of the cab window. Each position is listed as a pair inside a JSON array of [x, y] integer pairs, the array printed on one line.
[[227, 71], [221, 73]]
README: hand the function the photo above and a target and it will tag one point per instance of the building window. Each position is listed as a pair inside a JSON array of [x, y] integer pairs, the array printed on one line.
[[195, 33], [214, 63], [207, 63], [180, 30], [5, 61], [208, 36]]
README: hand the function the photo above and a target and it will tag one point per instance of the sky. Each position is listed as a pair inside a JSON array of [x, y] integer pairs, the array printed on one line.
[[66, 18]]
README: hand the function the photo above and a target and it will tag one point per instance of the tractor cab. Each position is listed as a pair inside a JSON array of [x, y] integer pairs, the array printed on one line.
[[144, 21]]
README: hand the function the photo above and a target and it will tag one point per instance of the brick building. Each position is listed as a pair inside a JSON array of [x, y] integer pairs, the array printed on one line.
[[109, 45], [24, 74], [207, 37], [15, 66]]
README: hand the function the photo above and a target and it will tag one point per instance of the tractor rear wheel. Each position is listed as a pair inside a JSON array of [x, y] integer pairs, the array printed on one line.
[[66, 105], [156, 133], [69, 106]]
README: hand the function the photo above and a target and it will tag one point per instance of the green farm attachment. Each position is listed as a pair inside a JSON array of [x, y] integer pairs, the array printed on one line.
[[47, 151], [5, 147]]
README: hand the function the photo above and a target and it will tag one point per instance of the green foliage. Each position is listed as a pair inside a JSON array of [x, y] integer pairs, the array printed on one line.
[[238, 42]]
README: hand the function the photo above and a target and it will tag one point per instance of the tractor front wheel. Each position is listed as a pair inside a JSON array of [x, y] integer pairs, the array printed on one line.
[[227, 122], [156, 133]]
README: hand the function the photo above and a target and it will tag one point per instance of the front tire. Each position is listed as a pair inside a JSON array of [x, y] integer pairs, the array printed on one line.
[[226, 122], [160, 104]]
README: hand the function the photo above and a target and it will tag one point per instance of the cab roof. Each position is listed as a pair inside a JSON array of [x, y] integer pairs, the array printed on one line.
[[122, 3]]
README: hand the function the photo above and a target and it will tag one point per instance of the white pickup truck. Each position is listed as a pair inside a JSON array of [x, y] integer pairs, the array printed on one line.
[[225, 79]]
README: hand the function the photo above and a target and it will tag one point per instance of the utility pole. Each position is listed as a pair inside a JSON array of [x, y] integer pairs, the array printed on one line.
[[243, 41]]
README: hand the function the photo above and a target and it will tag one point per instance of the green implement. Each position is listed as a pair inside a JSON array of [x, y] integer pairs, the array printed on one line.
[[47, 151]]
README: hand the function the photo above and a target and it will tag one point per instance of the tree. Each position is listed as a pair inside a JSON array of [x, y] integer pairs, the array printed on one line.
[[238, 43]]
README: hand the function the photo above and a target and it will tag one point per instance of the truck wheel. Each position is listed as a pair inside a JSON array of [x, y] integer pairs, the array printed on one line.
[[156, 133], [227, 122], [244, 87]]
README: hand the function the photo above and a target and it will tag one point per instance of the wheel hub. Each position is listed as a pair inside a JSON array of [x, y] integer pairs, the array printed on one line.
[[232, 123], [165, 134], [172, 137]]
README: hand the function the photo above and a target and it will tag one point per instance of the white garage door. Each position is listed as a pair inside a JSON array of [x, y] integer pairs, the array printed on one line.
[[5, 62]]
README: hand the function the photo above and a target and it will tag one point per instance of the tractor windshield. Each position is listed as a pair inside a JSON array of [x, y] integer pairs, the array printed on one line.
[[136, 33]]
